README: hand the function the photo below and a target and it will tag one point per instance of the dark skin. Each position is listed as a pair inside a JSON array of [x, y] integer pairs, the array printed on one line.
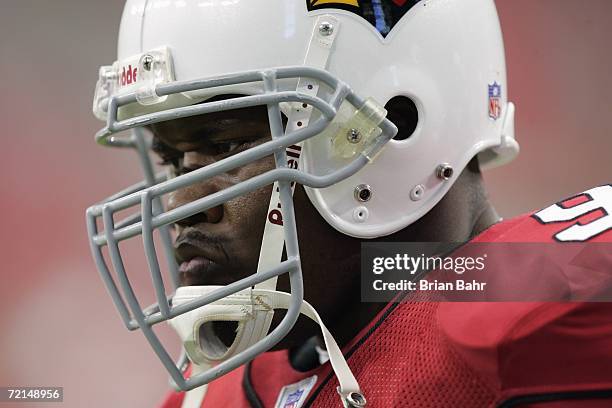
[[230, 235]]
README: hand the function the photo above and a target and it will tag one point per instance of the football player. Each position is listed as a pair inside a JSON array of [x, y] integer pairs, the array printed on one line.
[[291, 131]]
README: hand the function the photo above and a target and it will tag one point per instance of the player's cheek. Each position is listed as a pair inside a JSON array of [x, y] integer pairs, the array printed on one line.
[[248, 212]]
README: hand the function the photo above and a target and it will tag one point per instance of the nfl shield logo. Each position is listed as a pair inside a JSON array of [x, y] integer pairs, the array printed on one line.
[[294, 395], [495, 93], [293, 399]]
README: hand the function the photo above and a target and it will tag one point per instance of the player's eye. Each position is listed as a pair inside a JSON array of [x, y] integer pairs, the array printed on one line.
[[180, 170], [168, 156], [226, 149]]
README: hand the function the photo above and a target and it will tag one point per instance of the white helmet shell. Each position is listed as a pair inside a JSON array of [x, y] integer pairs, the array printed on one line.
[[446, 56]]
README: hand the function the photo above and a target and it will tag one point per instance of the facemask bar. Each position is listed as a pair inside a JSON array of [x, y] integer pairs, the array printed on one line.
[[152, 217], [157, 207]]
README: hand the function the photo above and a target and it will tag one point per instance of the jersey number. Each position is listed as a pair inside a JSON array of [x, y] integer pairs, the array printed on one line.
[[599, 198]]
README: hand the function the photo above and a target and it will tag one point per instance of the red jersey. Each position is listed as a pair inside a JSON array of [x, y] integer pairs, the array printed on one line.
[[463, 354]]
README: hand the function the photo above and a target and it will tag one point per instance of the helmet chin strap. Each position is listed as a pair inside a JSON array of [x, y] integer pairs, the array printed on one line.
[[253, 309], [251, 313]]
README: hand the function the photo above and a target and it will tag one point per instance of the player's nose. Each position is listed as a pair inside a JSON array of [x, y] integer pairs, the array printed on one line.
[[189, 194], [195, 192]]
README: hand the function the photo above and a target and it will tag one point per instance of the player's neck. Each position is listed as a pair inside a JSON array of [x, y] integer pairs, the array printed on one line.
[[487, 218]]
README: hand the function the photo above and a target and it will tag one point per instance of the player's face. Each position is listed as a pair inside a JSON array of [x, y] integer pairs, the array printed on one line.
[[222, 245]]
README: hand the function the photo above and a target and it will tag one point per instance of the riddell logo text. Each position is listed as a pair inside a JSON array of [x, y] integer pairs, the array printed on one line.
[[128, 76], [275, 216]]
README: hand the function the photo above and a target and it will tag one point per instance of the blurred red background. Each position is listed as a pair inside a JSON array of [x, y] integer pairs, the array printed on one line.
[[58, 326]]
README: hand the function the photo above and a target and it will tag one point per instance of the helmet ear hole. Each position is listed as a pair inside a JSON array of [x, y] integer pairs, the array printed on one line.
[[403, 112]]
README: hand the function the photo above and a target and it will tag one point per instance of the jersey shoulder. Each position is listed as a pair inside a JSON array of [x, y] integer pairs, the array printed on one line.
[[532, 348], [584, 217], [529, 346]]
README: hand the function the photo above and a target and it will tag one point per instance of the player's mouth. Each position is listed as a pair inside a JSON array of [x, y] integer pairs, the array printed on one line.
[[200, 270], [201, 259], [195, 266]]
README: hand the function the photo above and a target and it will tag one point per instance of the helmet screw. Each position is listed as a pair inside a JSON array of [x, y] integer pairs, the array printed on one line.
[[363, 193], [356, 400], [417, 192], [353, 135], [326, 28], [110, 76], [147, 62], [444, 171]]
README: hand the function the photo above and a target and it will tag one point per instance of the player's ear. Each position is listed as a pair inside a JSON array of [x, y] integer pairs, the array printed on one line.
[[403, 112]]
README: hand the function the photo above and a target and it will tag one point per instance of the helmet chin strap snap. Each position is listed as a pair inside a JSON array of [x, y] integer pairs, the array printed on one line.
[[252, 309]]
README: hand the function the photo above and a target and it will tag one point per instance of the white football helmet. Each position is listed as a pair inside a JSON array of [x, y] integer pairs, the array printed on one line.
[[330, 67]]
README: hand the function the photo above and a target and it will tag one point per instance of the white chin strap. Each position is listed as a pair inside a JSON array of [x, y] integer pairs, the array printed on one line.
[[252, 310], [195, 328]]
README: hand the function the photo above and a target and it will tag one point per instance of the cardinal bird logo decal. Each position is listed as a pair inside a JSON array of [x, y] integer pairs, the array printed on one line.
[[382, 14]]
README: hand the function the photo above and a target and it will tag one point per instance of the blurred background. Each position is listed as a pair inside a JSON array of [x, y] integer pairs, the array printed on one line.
[[58, 326]]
